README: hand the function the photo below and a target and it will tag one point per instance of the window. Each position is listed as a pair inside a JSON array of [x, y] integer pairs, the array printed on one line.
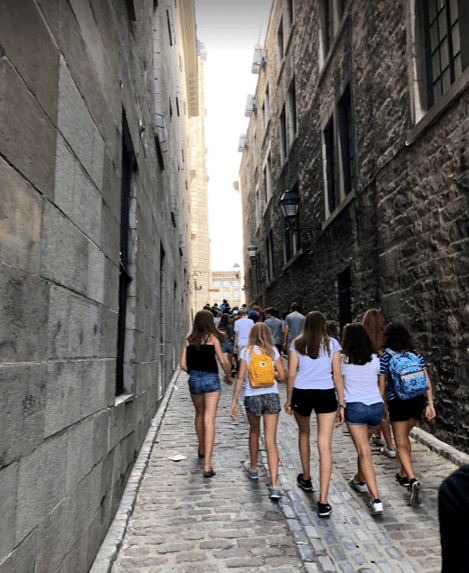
[[226, 284], [265, 110], [339, 154], [226, 294], [236, 283], [216, 284], [290, 13], [254, 150], [269, 254], [257, 208], [281, 52], [236, 293], [267, 179], [168, 21], [283, 136], [331, 13], [291, 111]]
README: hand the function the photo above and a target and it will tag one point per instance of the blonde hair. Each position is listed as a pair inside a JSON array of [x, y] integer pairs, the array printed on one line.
[[261, 335]]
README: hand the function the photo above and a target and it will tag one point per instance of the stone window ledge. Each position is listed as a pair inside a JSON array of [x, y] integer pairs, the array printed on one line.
[[348, 199], [122, 398]]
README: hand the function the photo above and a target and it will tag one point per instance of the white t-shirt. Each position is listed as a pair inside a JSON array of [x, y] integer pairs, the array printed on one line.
[[315, 373], [243, 326], [361, 381], [250, 391]]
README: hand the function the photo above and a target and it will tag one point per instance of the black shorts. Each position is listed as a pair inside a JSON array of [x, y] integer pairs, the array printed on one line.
[[321, 401], [404, 410]]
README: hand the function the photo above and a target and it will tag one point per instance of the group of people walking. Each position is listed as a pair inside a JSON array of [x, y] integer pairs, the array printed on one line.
[[353, 381]]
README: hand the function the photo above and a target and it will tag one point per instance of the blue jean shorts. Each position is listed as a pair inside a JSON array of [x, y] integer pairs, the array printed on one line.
[[358, 414], [203, 382]]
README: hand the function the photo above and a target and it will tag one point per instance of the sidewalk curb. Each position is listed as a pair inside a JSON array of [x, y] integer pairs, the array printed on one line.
[[111, 544], [441, 448]]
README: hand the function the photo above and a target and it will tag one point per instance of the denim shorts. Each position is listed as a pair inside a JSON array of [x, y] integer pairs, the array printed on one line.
[[358, 414], [203, 382], [262, 404]]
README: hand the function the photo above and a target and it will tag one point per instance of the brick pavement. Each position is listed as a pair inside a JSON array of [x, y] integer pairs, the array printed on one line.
[[183, 522]]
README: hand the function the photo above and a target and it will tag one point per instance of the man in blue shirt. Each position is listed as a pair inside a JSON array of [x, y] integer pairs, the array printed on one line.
[[275, 326], [293, 325]]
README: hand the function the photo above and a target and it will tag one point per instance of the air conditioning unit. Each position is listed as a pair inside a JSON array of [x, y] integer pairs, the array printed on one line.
[[259, 60], [251, 105], [243, 142]]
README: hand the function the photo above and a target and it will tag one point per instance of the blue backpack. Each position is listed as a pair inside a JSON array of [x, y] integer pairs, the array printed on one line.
[[406, 373]]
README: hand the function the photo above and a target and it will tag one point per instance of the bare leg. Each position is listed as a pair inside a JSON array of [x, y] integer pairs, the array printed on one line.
[[254, 435], [199, 405], [304, 432], [401, 431], [325, 429], [270, 435], [211, 403], [386, 429], [361, 439]]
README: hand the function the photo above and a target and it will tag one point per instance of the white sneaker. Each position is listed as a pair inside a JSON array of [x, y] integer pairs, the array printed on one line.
[[378, 441], [253, 474], [376, 507], [391, 453], [359, 486]]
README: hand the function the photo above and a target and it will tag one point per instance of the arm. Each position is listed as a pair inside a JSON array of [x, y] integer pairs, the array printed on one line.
[[237, 388], [382, 384], [292, 368], [221, 358], [284, 335], [182, 360], [235, 342], [430, 413], [280, 370], [339, 386]]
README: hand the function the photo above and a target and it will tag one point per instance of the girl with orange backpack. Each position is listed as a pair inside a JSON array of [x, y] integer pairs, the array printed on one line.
[[261, 360]]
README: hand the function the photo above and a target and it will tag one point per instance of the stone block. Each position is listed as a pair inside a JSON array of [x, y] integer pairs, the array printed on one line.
[[56, 535], [88, 497], [108, 333], [22, 387], [95, 286], [75, 194], [20, 221], [28, 45], [23, 316], [110, 234], [64, 256], [41, 484], [78, 128], [106, 474], [93, 387], [100, 436], [65, 380], [84, 340], [19, 132], [110, 382], [111, 190], [8, 500], [116, 425], [75, 561], [111, 285], [23, 558], [79, 452]]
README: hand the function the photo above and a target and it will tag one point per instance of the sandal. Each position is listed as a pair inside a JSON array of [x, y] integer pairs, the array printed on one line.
[[209, 474]]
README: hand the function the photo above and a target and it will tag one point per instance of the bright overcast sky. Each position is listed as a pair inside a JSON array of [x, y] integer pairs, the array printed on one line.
[[229, 31]]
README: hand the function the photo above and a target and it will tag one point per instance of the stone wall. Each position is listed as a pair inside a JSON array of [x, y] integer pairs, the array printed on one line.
[[402, 231], [77, 100]]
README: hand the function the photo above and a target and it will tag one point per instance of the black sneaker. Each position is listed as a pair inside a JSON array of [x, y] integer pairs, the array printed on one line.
[[403, 481], [304, 483], [324, 509], [414, 489]]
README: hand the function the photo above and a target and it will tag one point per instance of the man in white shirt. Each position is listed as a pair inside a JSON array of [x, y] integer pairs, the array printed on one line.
[[241, 329]]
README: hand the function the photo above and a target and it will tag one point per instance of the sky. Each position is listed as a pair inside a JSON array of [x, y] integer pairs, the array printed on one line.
[[229, 31]]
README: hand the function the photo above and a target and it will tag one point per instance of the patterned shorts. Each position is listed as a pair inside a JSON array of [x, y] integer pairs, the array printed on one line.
[[262, 404], [202, 382]]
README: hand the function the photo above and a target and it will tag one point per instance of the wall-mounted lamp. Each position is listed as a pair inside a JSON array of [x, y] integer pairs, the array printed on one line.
[[255, 260], [194, 274], [236, 268], [289, 204]]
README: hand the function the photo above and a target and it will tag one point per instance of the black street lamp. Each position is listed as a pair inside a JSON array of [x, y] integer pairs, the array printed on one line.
[[289, 205], [255, 260]]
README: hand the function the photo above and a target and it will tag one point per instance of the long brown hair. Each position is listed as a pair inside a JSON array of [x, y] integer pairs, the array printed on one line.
[[261, 335], [224, 322], [314, 336], [356, 344], [203, 328], [374, 326]]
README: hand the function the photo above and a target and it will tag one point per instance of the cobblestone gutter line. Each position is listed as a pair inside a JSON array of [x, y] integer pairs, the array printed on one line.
[[441, 448], [109, 549]]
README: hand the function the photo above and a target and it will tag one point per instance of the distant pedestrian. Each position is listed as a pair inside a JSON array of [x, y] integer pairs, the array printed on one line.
[[310, 386], [374, 326], [261, 399], [453, 514], [198, 359], [241, 328], [293, 325], [227, 347], [356, 369], [258, 310], [275, 326], [253, 316], [404, 413]]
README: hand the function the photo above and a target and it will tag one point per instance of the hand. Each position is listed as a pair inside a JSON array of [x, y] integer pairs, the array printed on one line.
[[288, 408], [430, 413], [339, 417], [234, 411]]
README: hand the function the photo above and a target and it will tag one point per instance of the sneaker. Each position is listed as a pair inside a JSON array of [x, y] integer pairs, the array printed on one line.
[[414, 489], [378, 441], [359, 486], [376, 507], [275, 492], [253, 474], [324, 509], [391, 453], [304, 483], [403, 481]]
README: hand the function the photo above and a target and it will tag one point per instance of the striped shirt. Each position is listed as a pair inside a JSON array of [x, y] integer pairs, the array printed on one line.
[[384, 371]]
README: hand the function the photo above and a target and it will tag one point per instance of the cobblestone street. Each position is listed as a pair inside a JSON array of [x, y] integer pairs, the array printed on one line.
[[185, 523]]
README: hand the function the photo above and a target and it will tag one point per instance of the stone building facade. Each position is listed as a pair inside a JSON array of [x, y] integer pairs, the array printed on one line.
[[95, 103], [361, 111], [226, 285]]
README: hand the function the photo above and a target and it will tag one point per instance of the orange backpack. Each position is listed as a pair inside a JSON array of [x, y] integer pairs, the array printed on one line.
[[261, 370]]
